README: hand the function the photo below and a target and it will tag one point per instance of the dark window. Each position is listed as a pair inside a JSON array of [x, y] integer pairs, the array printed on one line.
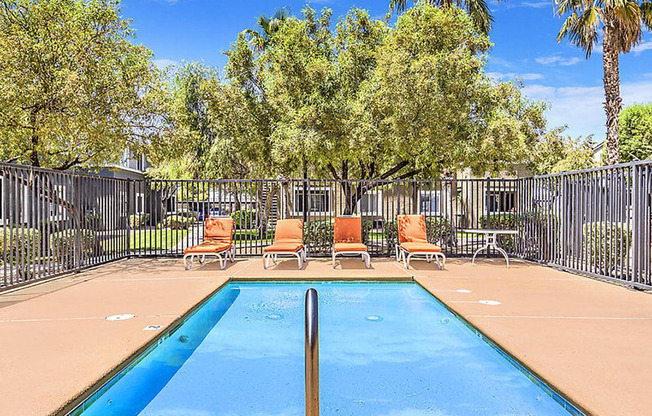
[[501, 201]]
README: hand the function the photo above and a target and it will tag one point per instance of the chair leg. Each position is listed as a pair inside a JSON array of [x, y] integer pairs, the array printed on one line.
[[367, 260], [300, 260], [406, 261], [265, 261], [222, 261], [333, 259], [187, 264]]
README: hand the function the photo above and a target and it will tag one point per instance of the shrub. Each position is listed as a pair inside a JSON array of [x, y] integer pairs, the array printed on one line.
[[319, 235], [438, 231], [541, 231], [178, 222], [192, 215], [501, 222], [138, 220], [93, 220], [244, 219], [607, 243], [498, 221], [63, 245], [20, 245]]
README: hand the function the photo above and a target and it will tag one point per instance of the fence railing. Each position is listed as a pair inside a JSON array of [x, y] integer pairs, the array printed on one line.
[[596, 222]]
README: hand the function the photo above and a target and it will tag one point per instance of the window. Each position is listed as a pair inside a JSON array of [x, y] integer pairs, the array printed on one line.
[[319, 200], [171, 204], [371, 203], [429, 202], [501, 201]]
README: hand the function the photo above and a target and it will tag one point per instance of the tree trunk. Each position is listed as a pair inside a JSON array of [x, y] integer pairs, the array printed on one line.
[[33, 157], [613, 102]]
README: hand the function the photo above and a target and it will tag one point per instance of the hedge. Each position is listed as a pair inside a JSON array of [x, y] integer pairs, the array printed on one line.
[[93, 220], [138, 220], [178, 221], [244, 219], [607, 243], [501, 222], [438, 231], [319, 234], [18, 241], [63, 245]]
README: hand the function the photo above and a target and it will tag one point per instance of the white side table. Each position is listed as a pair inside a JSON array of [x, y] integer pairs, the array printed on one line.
[[490, 240]]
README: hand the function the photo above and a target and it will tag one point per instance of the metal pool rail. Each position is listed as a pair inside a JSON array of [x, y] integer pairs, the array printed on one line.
[[312, 353]]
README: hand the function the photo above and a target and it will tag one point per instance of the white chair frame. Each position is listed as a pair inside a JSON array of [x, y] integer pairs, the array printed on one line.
[[364, 254], [299, 254], [402, 253], [229, 254]]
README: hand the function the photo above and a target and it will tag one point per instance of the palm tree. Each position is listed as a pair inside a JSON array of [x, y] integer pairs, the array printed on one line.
[[478, 10], [621, 22], [268, 26]]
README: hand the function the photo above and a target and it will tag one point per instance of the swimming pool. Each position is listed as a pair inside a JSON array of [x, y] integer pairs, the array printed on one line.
[[387, 349]]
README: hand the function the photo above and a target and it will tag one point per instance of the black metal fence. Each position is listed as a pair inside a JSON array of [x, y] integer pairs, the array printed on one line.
[[597, 222]]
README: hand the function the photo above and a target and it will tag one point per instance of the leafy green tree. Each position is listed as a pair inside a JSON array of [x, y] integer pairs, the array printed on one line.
[[371, 102], [635, 138], [556, 153], [189, 135], [478, 10], [75, 91], [621, 23], [267, 27]]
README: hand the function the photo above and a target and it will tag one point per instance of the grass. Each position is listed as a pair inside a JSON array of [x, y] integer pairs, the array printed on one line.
[[156, 239]]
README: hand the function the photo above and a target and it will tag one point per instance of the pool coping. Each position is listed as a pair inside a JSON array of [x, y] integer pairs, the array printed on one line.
[[548, 387], [73, 405]]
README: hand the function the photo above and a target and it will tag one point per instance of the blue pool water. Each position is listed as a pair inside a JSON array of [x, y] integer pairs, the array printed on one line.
[[387, 349]]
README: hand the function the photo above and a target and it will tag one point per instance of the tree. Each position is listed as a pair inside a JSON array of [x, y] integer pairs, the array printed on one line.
[[621, 23], [189, 137], [478, 10], [75, 91], [635, 138], [367, 101], [267, 27], [556, 153]]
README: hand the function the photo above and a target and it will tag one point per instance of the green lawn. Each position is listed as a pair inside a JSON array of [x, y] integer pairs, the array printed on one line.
[[156, 239]]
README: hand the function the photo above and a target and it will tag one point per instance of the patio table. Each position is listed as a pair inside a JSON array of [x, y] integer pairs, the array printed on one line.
[[490, 240]]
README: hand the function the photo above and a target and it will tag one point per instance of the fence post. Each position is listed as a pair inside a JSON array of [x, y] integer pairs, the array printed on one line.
[[130, 195], [77, 222], [306, 210], [562, 221], [636, 221]]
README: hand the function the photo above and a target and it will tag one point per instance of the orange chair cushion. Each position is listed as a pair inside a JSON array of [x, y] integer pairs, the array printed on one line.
[[349, 247], [289, 231], [420, 247], [412, 229], [207, 247], [347, 230], [218, 229], [287, 247]]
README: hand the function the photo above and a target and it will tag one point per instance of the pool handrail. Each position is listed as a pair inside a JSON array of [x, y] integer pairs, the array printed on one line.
[[312, 352]]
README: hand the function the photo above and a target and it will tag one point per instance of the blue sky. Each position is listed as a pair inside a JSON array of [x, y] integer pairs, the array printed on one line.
[[524, 36]]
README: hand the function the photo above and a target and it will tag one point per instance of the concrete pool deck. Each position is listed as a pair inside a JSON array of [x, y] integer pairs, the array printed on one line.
[[590, 339]]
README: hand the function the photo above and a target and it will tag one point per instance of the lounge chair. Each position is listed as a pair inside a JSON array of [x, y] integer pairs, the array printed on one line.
[[288, 240], [218, 242], [413, 241], [347, 239]]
